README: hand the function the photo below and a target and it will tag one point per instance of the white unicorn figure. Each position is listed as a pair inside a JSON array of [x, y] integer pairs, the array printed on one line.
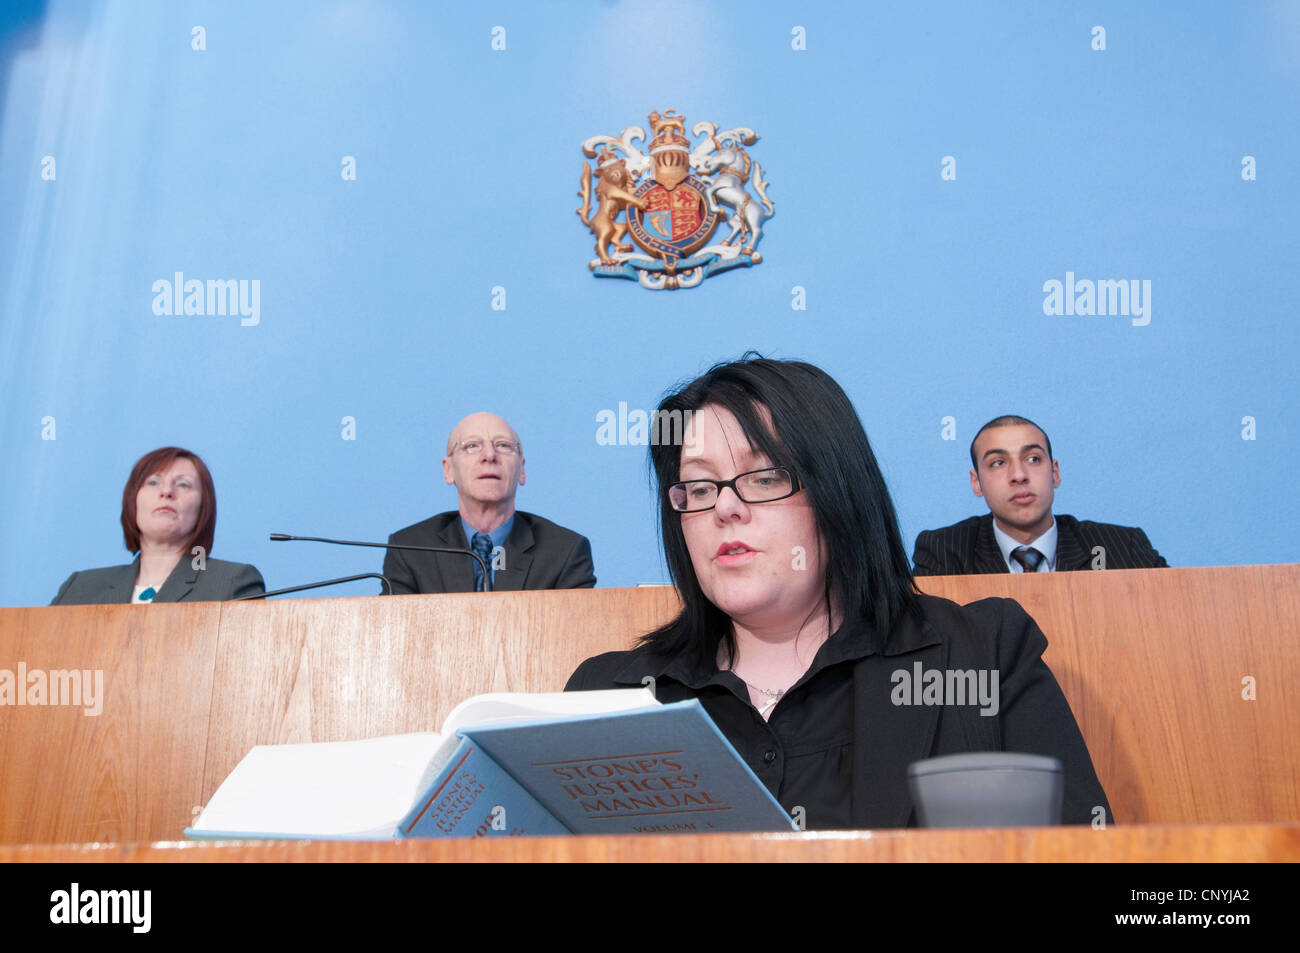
[[723, 157]]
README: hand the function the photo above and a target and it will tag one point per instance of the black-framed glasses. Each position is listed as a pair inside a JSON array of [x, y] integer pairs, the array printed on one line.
[[756, 486]]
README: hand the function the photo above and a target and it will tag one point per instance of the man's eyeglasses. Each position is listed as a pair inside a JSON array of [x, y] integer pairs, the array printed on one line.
[[473, 448], [757, 486]]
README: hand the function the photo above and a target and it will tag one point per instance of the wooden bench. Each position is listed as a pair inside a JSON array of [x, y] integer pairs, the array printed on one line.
[[1152, 662]]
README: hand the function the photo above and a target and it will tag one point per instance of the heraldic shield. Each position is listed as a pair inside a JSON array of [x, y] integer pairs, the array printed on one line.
[[675, 222], [673, 198]]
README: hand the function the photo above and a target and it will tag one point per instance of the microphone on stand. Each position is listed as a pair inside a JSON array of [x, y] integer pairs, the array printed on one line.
[[316, 585], [487, 576]]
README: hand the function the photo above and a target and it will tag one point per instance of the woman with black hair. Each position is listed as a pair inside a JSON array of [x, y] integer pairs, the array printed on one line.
[[801, 631]]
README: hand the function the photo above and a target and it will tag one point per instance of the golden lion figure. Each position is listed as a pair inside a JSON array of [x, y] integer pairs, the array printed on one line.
[[613, 191]]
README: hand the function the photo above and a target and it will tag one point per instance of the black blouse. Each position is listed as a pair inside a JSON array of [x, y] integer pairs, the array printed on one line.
[[838, 743]]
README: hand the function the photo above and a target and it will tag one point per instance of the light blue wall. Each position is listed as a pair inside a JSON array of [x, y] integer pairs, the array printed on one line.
[[924, 296]]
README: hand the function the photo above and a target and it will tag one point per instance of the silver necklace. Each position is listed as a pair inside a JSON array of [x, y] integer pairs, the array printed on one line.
[[773, 694]]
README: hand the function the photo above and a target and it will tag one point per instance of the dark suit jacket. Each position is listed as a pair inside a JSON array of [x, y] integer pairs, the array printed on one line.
[[970, 547], [538, 555], [218, 581], [992, 634]]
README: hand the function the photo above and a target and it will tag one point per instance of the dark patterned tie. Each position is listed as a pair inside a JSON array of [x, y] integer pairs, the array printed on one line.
[[1028, 557], [482, 546]]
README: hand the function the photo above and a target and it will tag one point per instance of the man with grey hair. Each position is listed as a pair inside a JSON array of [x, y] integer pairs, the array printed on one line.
[[485, 462]]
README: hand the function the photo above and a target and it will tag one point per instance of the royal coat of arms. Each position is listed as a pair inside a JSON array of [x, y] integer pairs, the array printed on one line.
[[673, 198]]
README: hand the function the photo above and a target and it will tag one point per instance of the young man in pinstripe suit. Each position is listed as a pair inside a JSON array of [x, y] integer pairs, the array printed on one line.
[[1015, 474]]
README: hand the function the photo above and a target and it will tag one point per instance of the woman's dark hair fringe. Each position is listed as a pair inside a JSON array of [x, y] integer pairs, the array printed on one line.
[[815, 430]]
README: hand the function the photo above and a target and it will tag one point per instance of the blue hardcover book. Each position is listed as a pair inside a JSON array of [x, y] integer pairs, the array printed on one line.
[[474, 797], [605, 762], [666, 768]]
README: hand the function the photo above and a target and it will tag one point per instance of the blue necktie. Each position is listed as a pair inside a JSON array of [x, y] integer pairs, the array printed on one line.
[[1028, 557], [482, 546]]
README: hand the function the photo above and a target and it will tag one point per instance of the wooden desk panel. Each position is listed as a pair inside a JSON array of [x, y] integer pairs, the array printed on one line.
[[1150, 660], [1152, 663], [135, 770], [1143, 844]]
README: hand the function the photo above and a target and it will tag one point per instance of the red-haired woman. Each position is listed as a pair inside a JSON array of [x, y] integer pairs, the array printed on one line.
[[169, 517]]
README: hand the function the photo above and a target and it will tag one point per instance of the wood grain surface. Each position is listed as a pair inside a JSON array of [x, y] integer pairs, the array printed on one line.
[[1151, 661], [1139, 844]]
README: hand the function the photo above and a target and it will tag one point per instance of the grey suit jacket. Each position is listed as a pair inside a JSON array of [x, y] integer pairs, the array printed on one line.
[[969, 547], [217, 581], [538, 555]]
